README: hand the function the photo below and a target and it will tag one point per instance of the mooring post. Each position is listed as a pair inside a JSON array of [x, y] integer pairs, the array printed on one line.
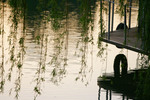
[[112, 24], [130, 14], [125, 30], [109, 20]]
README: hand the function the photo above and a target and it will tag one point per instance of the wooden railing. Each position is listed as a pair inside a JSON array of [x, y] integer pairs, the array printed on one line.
[[110, 27]]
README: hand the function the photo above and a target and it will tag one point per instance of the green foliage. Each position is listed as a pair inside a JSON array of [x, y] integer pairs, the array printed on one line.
[[102, 26], [147, 25], [18, 10], [38, 39], [12, 57], [56, 13], [100, 46], [144, 30], [120, 7], [143, 87], [36, 89], [19, 66], [2, 86], [21, 41], [144, 23], [85, 14]]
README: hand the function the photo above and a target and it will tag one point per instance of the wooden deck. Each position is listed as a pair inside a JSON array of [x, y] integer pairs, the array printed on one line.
[[132, 41]]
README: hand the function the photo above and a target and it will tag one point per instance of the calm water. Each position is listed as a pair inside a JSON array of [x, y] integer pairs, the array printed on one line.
[[43, 60]]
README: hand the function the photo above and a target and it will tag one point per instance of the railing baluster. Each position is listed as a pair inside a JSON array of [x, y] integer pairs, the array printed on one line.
[[112, 24], [101, 17], [109, 20], [125, 30], [130, 14]]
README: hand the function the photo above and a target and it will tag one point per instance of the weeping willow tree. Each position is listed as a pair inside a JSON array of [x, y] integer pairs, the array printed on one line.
[[144, 23], [143, 88]]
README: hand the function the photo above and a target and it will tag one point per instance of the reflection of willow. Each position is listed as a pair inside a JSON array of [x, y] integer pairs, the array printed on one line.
[[59, 58], [40, 74], [109, 94], [18, 11], [2, 80], [67, 35], [56, 13], [43, 41], [83, 69], [20, 57], [86, 22], [120, 7], [102, 29], [12, 38]]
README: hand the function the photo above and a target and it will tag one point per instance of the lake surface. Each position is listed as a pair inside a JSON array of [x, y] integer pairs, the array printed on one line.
[[52, 58]]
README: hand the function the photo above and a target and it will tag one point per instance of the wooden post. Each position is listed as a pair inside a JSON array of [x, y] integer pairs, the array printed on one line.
[[130, 14], [112, 24], [125, 30], [109, 20]]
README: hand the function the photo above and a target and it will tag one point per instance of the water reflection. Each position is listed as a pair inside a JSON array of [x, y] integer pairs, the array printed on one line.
[[119, 87], [59, 58], [17, 44], [109, 95], [51, 43], [40, 73]]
